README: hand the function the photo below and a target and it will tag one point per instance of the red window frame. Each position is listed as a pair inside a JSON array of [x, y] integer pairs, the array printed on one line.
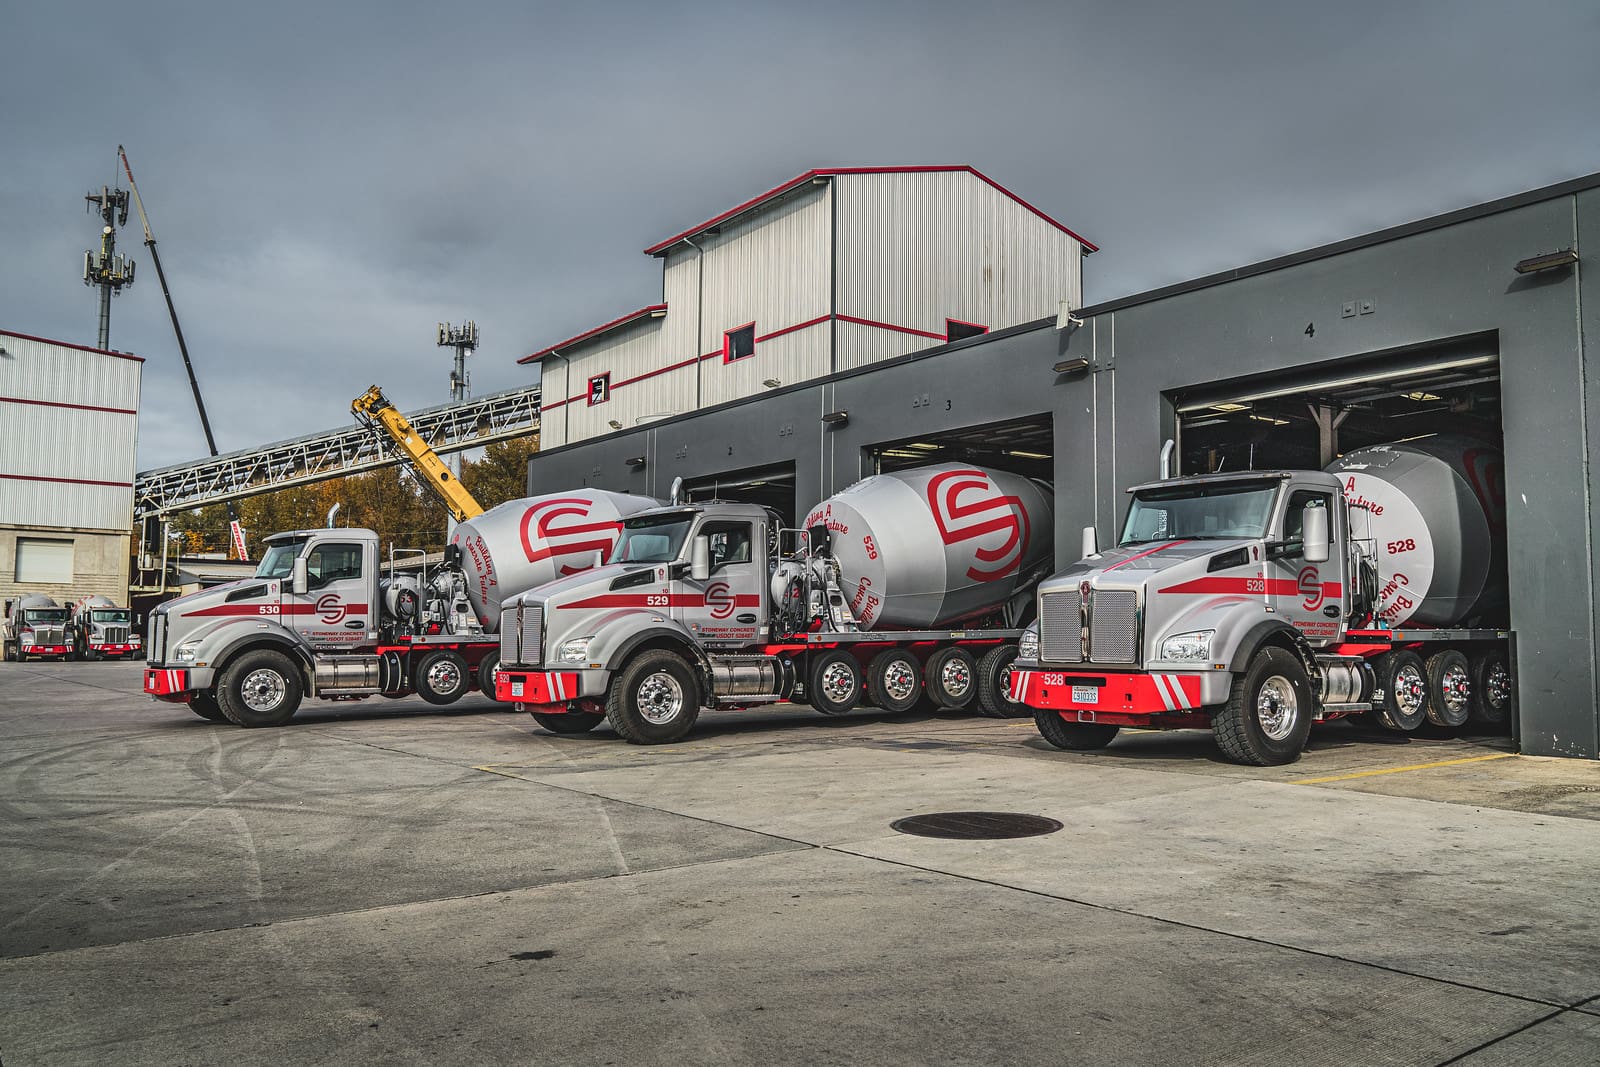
[[606, 378], [727, 342], [980, 327]]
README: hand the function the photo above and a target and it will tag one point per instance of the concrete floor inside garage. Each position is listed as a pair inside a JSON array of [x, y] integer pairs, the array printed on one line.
[[389, 882]]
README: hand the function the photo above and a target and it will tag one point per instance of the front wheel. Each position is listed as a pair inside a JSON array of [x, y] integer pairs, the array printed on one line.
[[1073, 736], [441, 677], [260, 688], [1267, 718], [654, 699], [572, 722]]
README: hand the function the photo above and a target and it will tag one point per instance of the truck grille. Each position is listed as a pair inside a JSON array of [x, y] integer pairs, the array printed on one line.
[[116, 635], [155, 639], [520, 635], [1113, 627], [49, 635]]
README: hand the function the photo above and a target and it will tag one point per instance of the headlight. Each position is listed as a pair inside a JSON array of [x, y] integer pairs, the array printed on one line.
[[1028, 645], [574, 651], [185, 653], [1196, 645], [27, 637]]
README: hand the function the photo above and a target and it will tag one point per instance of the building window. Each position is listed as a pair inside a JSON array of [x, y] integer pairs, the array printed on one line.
[[956, 330], [42, 562], [599, 388], [737, 344]]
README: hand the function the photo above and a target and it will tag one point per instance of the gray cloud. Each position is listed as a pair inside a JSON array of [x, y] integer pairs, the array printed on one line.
[[328, 181]]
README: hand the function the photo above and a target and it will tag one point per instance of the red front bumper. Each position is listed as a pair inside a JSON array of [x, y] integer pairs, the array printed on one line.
[[535, 687], [165, 683], [113, 650], [46, 650], [1095, 695]]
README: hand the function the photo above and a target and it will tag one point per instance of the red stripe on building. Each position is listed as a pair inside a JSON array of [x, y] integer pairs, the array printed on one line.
[[63, 404], [891, 326], [65, 481], [653, 309]]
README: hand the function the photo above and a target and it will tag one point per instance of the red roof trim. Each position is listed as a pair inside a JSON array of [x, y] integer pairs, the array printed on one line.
[[68, 344], [829, 172], [653, 309]]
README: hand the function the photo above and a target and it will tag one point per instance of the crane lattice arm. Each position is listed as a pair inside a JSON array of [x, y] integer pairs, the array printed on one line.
[[373, 409]]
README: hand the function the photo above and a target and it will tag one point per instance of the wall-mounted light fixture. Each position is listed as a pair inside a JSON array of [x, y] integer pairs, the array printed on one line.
[[836, 418], [1070, 366], [614, 424], [635, 462], [771, 383], [1549, 261]]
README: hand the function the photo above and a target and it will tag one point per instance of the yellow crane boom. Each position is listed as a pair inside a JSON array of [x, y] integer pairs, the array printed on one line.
[[373, 409]]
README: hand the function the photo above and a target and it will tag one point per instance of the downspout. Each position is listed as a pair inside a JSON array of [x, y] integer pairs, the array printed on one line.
[[566, 390], [699, 312]]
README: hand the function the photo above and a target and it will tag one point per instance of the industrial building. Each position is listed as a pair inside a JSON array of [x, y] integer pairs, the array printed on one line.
[[69, 423], [831, 271], [1472, 322]]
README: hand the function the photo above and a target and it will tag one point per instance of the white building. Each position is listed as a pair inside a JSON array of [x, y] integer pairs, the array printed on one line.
[[69, 423], [835, 269]]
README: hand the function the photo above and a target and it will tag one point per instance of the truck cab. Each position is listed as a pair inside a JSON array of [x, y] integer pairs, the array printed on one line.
[[1226, 603], [104, 630], [36, 626]]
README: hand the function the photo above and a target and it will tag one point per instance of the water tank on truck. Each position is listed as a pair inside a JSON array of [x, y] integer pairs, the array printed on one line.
[[925, 548], [1435, 510], [525, 543]]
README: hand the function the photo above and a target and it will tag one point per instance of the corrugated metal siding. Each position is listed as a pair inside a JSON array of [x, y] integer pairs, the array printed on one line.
[[629, 353], [74, 444], [860, 345], [794, 357], [916, 249]]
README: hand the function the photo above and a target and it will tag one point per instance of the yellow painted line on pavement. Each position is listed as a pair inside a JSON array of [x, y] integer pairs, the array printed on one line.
[[1398, 770]]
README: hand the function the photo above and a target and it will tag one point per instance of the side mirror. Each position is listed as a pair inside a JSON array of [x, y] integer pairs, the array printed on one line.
[[297, 580], [599, 559], [700, 558], [1091, 543], [1315, 536]]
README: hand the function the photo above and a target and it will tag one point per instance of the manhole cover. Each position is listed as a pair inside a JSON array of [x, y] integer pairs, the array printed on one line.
[[976, 825]]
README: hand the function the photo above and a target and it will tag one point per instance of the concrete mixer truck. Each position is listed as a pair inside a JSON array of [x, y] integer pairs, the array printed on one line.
[[904, 586], [102, 629], [1256, 603], [317, 618], [36, 626]]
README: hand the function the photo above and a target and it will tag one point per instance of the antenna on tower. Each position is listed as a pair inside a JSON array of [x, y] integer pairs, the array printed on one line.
[[108, 268], [463, 339]]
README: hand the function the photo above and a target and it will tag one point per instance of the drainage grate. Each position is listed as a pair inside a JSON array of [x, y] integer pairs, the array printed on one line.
[[976, 825]]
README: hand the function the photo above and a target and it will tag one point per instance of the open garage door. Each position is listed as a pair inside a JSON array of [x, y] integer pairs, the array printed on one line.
[[1304, 419], [1022, 446], [771, 487]]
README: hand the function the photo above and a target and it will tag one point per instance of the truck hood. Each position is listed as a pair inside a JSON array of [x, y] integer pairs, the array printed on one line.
[[1130, 565], [589, 583], [217, 595]]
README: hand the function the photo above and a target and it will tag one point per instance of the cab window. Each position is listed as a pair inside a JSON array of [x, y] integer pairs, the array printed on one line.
[[1294, 517], [331, 563], [730, 543]]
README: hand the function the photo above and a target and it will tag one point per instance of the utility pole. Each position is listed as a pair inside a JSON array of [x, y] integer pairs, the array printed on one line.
[[108, 268], [463, 339]]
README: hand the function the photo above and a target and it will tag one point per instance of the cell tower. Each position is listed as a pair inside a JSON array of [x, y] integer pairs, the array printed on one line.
[[463, 339], [108, 268]]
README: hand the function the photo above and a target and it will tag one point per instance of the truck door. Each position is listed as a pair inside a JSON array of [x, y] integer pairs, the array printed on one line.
[[335, 610], [728, 607], [1309, 596]]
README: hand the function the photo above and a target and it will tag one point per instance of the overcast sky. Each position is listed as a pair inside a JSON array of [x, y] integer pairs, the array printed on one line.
[[328, 181]]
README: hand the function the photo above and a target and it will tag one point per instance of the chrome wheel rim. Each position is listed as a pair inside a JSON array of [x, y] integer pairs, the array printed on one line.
[[1497, 686], [263, 689], [955, 678], [899, 680], [1409, 686], [1006, 675], [1455, 690], [660, 698], [838, 682], [444, 677], [1277, 707]]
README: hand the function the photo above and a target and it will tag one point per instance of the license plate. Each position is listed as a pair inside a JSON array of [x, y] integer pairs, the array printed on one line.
[[516, 689], [1085, 694]]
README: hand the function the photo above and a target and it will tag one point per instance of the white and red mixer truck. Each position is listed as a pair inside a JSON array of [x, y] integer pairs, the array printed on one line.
[[317, 619], [104, 630], [903, 585], [1257, 602], [36, 626]]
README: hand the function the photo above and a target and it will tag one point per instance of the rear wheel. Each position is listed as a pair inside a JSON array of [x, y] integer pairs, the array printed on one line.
[[952, 678], [1073, 736], [1449, 689], [260, 688], [11, 652], [654, 699], [486, 669], [994, 685], [573, 722], [441, 677], [1404, 681], [834, 683], [894, 681], [1267, 717], [1494, 690], [205, 705]]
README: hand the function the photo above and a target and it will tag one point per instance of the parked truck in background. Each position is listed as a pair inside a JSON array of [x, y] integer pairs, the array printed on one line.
[[101, 629], [904, 585], [318, 619], [1256, 603], [36, 626]]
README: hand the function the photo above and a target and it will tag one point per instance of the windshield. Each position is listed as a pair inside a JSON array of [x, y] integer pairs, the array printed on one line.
[[1190, 512], [44, 615], [110, 615], [279, 560], [657, 539]]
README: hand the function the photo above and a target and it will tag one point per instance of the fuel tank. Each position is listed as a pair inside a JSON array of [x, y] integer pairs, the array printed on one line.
[[1435, 510], [525, 543], [937, 545]]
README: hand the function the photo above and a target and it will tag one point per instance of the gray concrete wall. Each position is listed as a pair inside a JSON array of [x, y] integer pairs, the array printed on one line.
[[99, 564]]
